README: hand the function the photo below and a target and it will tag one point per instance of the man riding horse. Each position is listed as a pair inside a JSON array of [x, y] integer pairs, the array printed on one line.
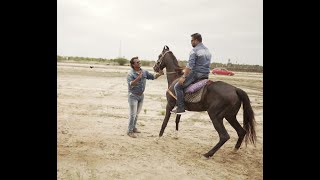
[[198, 67]]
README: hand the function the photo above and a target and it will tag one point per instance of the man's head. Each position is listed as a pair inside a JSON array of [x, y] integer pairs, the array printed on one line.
[[135, 62], [195, 39]]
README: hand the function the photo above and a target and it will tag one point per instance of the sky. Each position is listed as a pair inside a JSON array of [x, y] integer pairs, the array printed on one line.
[[231, 29]]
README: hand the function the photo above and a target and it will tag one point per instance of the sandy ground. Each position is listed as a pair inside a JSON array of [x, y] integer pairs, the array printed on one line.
[[93, 119]]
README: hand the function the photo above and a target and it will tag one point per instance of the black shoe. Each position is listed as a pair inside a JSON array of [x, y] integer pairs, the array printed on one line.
[[135, 130], [131, 134], [178, 111]]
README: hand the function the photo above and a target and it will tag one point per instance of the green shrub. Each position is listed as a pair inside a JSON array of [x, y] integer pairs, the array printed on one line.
[[145, 63], [121, 61]]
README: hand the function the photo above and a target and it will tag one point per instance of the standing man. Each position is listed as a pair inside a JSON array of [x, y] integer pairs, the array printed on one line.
[[136, 80], [198, 67]]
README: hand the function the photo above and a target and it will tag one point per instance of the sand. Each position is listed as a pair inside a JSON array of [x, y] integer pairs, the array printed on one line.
[[93, 120]]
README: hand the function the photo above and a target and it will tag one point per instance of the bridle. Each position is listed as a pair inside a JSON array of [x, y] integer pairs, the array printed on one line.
[[161, 59]]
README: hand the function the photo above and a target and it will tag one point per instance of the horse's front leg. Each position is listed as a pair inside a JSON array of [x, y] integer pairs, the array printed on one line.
[[177, 126], [169, 107], [164, 124], [166, 119]]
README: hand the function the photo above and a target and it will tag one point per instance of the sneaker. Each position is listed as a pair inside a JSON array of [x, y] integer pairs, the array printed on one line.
[[132, 135], [135, 130], [178, 111]]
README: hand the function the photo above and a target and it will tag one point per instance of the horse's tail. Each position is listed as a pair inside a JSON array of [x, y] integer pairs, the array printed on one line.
[[248, 117]]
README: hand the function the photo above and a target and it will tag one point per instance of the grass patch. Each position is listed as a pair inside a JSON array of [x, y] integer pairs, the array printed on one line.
[[162, 112]]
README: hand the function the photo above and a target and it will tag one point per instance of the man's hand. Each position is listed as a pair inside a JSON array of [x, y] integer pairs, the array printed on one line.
[[157, 75], [134, 82], [140, 75], [181, 80]]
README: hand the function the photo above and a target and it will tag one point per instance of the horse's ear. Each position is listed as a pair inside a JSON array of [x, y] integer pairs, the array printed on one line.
[[164, 48], [167, 47]]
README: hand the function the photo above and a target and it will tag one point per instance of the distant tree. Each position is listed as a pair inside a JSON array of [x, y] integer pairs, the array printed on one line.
[[121, 61], [182, 63], [145, 63]]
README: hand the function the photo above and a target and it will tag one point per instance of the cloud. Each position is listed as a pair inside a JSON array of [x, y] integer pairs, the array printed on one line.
[[112, 28]]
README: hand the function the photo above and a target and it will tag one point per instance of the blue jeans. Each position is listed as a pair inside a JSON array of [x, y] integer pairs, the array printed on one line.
[[179, 89], [135, 105]]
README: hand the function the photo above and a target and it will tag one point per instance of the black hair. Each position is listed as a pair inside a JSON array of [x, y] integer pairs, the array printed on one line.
[[132, 61], [197, 36]]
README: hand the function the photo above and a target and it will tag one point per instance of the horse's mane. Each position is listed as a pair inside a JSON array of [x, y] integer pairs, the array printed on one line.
[[175, 61]]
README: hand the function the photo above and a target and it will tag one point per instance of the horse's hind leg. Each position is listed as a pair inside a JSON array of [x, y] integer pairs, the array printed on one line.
[[240, 131], [223, 134]]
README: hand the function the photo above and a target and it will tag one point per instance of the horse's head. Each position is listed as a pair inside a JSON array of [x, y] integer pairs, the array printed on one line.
[[160, 64]]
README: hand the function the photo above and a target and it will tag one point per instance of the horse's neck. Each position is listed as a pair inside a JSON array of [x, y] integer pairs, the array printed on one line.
[[172, 73], [172, 68], [171, 82], [170, 79]]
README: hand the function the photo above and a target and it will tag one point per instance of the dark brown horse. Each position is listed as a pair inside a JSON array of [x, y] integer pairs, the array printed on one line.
[[221, 100]]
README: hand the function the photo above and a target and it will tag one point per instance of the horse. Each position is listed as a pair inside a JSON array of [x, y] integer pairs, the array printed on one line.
[[220, 99]]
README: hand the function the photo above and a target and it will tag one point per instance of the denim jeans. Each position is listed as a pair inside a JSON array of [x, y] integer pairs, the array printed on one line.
[[135, 105], [179, 89]]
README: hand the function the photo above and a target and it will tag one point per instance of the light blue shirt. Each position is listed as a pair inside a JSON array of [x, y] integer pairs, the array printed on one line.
[[141, 84], [200, 59]]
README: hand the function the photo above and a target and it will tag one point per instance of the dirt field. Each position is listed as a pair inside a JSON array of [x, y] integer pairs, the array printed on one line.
[[93, 120]]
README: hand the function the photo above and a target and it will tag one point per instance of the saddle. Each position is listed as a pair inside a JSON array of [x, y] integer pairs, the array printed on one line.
[[194, 92]]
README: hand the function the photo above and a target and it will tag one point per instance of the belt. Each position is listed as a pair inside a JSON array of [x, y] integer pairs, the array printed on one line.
[[138, 94]]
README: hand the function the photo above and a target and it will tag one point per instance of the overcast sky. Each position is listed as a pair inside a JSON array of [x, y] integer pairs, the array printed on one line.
[[231, 29]]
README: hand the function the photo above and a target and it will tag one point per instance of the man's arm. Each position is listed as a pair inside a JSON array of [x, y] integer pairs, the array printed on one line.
[[190, 65], [191, 62], [156, 75], [134, 82], [186, 72]]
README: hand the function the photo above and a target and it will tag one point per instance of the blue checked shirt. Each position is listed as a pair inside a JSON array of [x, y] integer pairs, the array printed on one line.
[[200, 59], [141, 84]]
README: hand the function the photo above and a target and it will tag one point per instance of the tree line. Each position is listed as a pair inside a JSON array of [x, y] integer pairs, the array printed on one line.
[[182, 63]]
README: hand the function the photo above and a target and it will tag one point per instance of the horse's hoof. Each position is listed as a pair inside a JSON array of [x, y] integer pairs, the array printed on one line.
[[235, 150], [176, 135], [205, 156], [156, 140]]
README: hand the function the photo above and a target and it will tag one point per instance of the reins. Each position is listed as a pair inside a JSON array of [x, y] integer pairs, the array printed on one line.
[[161, 59], [162, 56]]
